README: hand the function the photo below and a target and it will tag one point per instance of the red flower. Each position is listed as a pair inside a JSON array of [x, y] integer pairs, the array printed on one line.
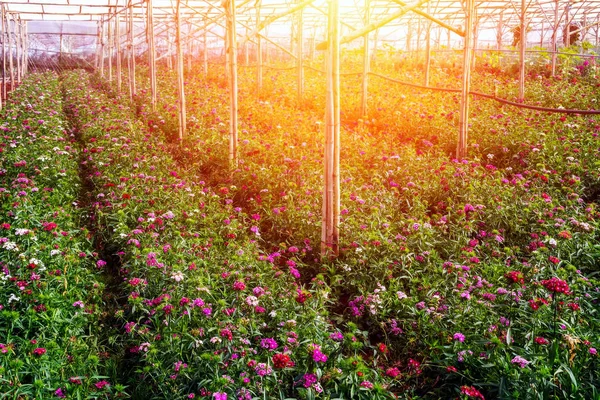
[[556, 285], [470, 391], [282, 361], [383, 348], [515, 277], [49, 226], [573, 306], [39, 351], [554, 260], [392, 372], [541, 341]]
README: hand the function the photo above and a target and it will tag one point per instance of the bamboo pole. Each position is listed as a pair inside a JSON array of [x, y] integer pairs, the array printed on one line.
[[427, 49], [554, 37], [151, 51], [366, 63], [180, 76], [17, 29], [300, 57], [4, 39], [132, 82], [259, 50], [101, 45], [110, 40], [331, 192], [233, 84], [118, 49], [189, 43], [205, 54], [461, 149], [10, 52], [25, 48], [523, 44]]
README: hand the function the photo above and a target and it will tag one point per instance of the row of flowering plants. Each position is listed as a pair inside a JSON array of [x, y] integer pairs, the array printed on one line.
[[50, 277], [457, 269], [208, 310]]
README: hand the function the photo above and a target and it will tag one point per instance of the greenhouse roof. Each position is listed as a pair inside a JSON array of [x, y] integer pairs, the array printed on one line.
[[489, 12]]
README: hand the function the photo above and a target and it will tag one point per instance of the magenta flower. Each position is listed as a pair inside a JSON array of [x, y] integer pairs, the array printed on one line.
[[520, 361], [269, 344], [459, 337]]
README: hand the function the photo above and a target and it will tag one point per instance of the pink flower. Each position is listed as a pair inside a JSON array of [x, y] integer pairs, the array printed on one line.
[[220, 396], [101, 384], [520, 361], [39, 351], [59, 393], [593, 351], [459, 337], [239, 286]]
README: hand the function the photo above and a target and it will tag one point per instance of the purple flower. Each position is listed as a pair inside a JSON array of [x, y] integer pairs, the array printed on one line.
[[318, 356], [337, 336], [459, 337], [593, 351], [309, 380], [220, 396], [269, 344], [59, 393], [520, 361]]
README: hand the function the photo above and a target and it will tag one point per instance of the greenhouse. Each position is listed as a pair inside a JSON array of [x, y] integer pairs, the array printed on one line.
[[303, 199]]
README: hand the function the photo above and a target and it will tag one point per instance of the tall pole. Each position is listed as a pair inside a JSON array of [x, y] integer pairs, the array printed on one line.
[[101, 49], [132, 83], [366, 63], [259, 50], [151, 51], [205, 53], [331, 192], [427, 48], [233, 84], [554, 37], [118, 49], [461, 149], [523, 43], [25, 48], [10, 52], [17, 28], [4, 37], [180, 77], [300, 58]]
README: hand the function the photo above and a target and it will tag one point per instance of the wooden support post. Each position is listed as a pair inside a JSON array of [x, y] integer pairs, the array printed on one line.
[[366, 64], [259, 50], [4, 39], [10, 51], [17, 29], [180, 76], [475, 38], [542, 33], [499, 33], [461, 148], [233, 84], [331, 192], [110, 41], [190, 43], [25, 48], [299, 57], [205, 54], [523, 45], [554, 37], [118, 49], [427, 48], [151, 51], [100, 42], [132, 51]]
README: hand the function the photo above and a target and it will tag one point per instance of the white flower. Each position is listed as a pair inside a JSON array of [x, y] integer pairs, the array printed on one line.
[[21, 231], [401, 295], [177, 276], [552, 242], [252, 301], [10, 246], [12, 298]]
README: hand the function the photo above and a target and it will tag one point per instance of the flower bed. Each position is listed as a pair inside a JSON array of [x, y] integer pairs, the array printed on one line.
[[208, 311], [50, 284], [428, 240]]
